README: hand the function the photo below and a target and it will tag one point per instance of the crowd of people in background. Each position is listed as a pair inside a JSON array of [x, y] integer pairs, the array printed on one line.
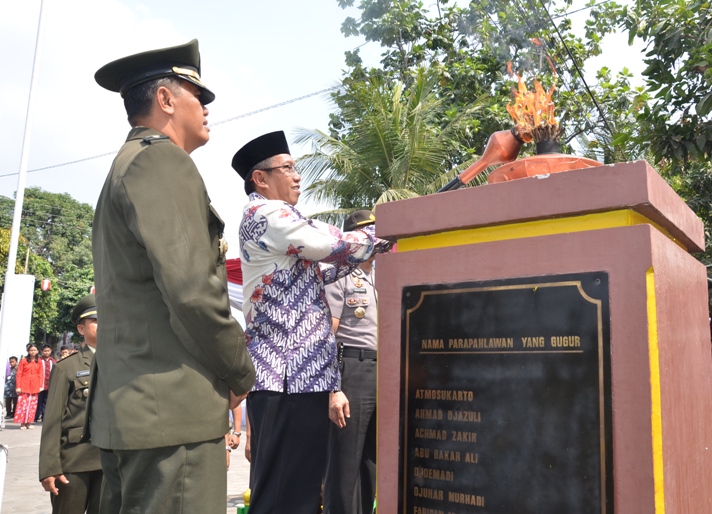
[[27, 383]]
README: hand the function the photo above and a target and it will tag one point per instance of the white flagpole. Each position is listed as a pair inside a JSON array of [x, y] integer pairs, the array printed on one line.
[[9, 297], [20, 195]]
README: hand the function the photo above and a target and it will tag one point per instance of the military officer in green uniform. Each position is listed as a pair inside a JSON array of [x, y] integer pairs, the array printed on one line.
[[171, 358], [71, 470]]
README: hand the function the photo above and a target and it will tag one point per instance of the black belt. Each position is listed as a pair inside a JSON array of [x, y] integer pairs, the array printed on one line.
[[356, 353]]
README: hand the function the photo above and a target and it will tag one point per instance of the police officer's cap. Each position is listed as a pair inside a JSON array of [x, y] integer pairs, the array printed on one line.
[[257, 150], [182, 61], [85, 309], [359, 219]]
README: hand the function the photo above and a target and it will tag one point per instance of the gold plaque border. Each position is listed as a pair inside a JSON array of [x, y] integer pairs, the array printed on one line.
[[601, 384]]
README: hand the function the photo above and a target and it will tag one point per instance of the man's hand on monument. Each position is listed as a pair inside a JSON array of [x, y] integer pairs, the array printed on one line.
[[236, 400], [339, 408], [383, 246], [48, 483]]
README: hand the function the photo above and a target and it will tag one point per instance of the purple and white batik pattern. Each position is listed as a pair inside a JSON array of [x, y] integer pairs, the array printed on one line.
[[288, 320]]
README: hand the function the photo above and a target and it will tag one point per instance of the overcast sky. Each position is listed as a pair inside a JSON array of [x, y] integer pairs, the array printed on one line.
[[254, 55]]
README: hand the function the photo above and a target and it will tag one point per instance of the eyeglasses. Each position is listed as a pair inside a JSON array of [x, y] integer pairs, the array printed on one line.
[[287, 169]]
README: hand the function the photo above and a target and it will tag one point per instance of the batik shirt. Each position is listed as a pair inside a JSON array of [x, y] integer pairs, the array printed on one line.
[[288, 333]]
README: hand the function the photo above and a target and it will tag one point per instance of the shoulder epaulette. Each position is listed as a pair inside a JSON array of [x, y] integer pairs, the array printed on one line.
[[60, 361], [154, 138]]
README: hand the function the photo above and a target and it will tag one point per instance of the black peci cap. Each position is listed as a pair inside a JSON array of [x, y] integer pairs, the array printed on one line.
[[359, 219], [182, 61], [85, 309], [257, 150]]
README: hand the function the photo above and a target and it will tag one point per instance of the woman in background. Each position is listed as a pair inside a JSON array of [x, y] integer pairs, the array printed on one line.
[[28, 381]]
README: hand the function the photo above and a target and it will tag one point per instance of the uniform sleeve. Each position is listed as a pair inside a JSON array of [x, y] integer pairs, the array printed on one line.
[[335, 298], [50, 464], [168, 211]]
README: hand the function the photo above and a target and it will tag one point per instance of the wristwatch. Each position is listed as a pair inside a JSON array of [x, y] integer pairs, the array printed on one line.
[[238, 434]]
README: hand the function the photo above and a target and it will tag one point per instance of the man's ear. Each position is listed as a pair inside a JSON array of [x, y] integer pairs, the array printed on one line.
[[80, 328], [259, 179], [166, 99]]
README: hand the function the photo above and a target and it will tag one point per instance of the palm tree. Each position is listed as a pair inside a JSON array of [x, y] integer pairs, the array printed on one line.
[[396, 143]]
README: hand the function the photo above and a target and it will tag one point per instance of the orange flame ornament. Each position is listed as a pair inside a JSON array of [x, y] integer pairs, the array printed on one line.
[[533, 112]]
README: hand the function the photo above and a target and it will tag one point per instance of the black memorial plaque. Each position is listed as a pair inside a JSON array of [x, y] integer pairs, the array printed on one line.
[[505, 397]]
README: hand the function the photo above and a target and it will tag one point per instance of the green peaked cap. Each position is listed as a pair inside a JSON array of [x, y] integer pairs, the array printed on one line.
[[86, 308], [182, 61]]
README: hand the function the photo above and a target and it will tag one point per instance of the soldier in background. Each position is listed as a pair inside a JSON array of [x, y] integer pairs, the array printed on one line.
[[69, 469], [350, 483]]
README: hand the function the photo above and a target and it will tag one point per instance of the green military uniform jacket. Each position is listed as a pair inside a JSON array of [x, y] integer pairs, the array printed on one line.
[[60, 449], [168, 347]]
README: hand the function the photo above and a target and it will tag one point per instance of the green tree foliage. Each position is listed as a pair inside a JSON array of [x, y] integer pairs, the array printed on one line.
[[75, 284], [395, 142], [674, 127], [57, 230], [678, 39], [45, 305], [622, 104], [57, 227], [469, 49], [5, 250]]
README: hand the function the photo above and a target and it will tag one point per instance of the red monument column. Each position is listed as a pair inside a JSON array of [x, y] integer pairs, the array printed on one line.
[[545, 347]]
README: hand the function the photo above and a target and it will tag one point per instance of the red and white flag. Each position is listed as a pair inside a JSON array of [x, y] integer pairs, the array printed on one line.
[[234, 283]]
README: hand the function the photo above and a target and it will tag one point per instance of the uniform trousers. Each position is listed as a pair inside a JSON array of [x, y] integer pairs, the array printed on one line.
[[288, 434], [41, 404], [80, 495], [185, 479], [350, 482], [10, 406]]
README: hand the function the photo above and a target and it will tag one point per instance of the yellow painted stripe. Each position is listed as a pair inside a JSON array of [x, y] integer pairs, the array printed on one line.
[[585, 222], [656, 415]]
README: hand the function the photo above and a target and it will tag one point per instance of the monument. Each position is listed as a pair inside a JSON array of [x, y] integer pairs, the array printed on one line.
[[545, 348]]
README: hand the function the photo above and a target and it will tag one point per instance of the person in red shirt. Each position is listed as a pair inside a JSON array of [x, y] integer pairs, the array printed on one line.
[[47, 362], [29, 382]]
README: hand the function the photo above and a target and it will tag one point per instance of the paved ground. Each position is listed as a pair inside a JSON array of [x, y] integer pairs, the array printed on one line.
[[23, 493]]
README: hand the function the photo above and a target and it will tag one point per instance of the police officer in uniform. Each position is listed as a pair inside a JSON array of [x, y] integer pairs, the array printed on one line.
[[71, 470], [172, 358], [350, 483]]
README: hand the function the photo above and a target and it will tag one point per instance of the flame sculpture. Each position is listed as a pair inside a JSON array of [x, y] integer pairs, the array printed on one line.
[[533, 112]]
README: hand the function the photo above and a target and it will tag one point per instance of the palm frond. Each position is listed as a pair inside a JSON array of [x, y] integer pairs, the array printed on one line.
[[399, 143]]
